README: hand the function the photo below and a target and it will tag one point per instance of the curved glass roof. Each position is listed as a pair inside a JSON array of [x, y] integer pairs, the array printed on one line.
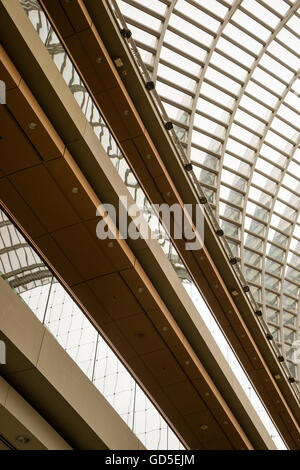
[[227, 72], [19, 263]]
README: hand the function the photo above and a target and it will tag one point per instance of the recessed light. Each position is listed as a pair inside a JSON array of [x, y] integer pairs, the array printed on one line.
[[225, 422], [140, 290], [165, 328], [110, 244], [234, 293], [125, 112], [32, 125], [119, 62], [204, 427], [187, 363], [207, 394], [75, 190], [277, 376], [22, 439], [148, 156], [99, 60]]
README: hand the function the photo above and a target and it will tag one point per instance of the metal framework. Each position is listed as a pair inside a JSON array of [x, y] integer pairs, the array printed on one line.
[[227, 74], [19, 264], [184, 129]]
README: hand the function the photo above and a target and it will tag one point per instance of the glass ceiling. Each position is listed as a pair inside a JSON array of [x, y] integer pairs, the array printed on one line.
[[21, 256], [19, 264], [227, 73]]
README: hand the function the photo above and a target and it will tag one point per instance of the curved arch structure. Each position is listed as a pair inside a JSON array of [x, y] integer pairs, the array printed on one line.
[[227, 72], [19, 263]]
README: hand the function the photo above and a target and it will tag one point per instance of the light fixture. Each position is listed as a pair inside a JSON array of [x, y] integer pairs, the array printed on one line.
[[203, 427], [126, 33], [165, 328], [22, 439], [75, 190], [32, 125], [140, 290], [234, 293], [110, 244], [148, 156], [150, 86], [168, 125], [126, 112], [188, 167], [99, 60], [277, 377], [119, 62]]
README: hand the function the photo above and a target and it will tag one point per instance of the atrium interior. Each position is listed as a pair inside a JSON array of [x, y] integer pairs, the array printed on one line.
[[174, 102]]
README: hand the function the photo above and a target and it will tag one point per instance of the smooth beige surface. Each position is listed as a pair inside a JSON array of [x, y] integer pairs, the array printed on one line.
[[12, 325], [49, 379]]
